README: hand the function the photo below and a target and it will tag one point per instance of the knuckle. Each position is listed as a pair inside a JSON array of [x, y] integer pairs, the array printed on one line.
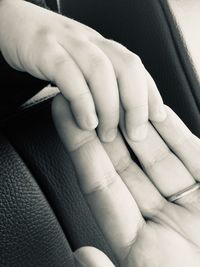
[[127, 57], [98, 185], [123, 164], [113, 44], [135, 110], [132, 60], [180, 140], [117, 46], [93, 35], [98, 63], [44, 32], [109, 117], [49, 51], [51, 62], [47, 54], [81, 140], [58, 59], [160, 156], [81, 97]]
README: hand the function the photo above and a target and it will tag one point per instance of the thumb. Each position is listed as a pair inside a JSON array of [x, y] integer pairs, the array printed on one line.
[[91, 257]]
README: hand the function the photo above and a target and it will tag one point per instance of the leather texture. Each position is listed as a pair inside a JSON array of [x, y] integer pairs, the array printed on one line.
[[30, 234], [41, 206], [33, 135], [38, 238]]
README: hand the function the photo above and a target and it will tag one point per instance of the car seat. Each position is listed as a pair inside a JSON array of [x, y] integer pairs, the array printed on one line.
[[43, 215]]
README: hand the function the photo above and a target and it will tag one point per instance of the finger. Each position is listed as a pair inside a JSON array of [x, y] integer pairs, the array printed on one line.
[[147, 197], [100, 76], [155, 103], [91, 257], [132, 87], [180, 139], [109, 199], [164, 169], [60, 68]]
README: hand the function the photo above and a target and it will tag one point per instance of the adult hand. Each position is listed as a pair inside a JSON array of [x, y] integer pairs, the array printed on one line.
[[130, 204], [93, 73]]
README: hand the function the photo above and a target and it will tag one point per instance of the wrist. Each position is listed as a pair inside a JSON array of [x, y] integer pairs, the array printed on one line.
[[5, 14]]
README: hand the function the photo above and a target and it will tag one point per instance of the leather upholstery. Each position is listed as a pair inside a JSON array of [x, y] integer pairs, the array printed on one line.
[[41, 206], [33, 135], [35, 225], [30, 234]]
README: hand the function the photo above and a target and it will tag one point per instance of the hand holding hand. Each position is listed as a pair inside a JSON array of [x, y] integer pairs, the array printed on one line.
[[93, 73], [130, 204]]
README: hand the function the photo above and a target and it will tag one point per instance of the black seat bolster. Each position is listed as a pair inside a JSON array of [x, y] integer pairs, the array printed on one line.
[[30, 234], [34, 137]]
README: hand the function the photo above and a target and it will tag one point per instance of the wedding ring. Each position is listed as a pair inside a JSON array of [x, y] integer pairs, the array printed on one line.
[[184, 192]]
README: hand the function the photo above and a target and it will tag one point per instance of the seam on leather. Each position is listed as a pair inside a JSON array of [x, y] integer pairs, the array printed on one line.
[[19, 112], [36, 102], [58, 6], [178, 45]]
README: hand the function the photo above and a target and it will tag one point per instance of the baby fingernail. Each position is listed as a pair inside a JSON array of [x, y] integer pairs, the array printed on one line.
[[163, 113], [160, 114], [138, 133], [109, 136], [92, 121]]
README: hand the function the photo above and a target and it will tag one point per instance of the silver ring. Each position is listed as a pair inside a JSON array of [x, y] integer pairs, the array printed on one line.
[[184, 192]]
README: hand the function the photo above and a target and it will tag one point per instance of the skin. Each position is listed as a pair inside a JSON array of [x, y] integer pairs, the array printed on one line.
[[91, 257], [129, 203], [93, 73]]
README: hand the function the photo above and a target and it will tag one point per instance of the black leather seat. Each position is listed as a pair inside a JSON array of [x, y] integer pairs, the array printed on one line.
[[43, 215], [42, 208]]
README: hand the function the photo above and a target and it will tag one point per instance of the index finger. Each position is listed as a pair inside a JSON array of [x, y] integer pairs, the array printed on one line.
[[100, 76], [109, 199]]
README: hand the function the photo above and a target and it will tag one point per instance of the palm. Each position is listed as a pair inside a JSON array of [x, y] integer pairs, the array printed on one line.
[[129, 203], [168, 241]]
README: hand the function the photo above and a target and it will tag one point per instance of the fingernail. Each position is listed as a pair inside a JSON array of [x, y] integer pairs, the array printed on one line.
[[92, 121], [139, 133], [160, 114], [109, 136]]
